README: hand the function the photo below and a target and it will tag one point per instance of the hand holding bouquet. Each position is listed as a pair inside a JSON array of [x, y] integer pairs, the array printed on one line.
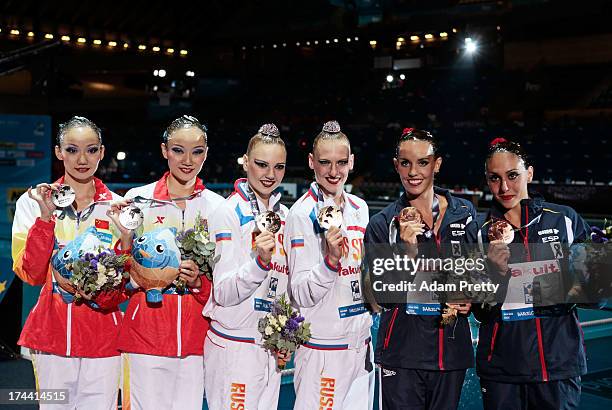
[[95, 272], [283, 330], [195, 245]]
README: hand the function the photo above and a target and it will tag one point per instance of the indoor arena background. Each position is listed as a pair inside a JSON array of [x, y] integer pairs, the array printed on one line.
[[537, 71]]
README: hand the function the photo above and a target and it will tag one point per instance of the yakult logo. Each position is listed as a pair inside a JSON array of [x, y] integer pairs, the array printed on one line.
[[536, 269], [326, 394], [349, 270], [238, 396]]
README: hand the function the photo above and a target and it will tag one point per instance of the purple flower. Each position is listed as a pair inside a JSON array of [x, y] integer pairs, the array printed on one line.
[[598, 235], [299, 319], [292, 324], [94, 264]]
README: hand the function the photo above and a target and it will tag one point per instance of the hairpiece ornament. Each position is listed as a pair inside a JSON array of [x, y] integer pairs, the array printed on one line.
[[498, 140], [269, 130], [331, 127], [407, 131]]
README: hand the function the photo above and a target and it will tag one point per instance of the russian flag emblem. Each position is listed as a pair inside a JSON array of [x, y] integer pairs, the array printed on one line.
[[223, 236], [297, 242]]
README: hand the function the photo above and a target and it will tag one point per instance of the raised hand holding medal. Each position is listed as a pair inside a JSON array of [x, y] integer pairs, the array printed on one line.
[[500, 235], [63, 196], [411, 224]]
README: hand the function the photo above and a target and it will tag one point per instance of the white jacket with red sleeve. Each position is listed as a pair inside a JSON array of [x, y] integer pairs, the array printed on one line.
[[244, 287], [329, 297]]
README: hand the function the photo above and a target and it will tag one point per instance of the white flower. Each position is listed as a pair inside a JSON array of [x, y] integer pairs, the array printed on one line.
[[278, 328], [272, 320], [100, 280], [268, 330], [101, 268], [282, 319]]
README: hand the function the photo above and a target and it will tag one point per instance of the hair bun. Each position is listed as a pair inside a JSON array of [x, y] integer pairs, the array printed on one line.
[[498, 140], [269, 130], [331, 127]]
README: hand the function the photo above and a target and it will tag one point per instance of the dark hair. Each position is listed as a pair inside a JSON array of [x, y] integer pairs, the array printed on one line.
[[412, 134], [503, 145], [184, 121], [76, 122], [267, 134], [331, 131]]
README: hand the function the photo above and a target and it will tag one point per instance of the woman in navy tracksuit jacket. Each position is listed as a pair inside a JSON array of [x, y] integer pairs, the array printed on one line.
[[423, 362], [527, 357]]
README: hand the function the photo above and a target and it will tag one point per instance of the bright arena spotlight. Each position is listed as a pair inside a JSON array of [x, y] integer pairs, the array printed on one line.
[[389, 78], [471, 46]]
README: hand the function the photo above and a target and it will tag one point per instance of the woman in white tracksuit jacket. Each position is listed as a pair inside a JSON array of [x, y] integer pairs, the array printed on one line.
[[251, 273], [333, 370]]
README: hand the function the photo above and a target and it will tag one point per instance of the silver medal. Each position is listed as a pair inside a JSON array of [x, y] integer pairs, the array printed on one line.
[[268, 221], [131, 217], [63, 197], [330, 216]]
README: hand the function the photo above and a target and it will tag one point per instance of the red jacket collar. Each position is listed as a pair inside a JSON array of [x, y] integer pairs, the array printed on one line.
[[102, 191], [161, 188]]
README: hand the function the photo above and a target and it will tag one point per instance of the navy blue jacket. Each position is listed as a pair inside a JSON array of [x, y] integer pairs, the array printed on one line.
[[418, 341], [549, 346]]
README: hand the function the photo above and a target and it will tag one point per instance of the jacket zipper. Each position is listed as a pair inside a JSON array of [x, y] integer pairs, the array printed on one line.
[[390, 328], [495, 329]]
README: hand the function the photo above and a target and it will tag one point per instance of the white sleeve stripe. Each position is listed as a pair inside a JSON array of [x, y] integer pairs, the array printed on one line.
[[570, 230]]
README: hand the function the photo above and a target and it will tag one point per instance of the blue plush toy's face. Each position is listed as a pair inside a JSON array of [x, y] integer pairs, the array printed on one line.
[[88, 241], [157, 249]]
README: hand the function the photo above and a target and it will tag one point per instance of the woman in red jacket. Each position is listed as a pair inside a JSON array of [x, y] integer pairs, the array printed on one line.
[[72, 345], [165, 340]]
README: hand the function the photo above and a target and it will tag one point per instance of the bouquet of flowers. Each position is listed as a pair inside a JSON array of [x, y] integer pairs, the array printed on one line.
[[449, 314], [472, 277], [195, 245], [595, 260], [93, 273], [283, 330]]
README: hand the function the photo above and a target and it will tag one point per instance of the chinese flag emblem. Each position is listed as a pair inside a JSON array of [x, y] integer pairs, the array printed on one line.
[[102, 224]]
